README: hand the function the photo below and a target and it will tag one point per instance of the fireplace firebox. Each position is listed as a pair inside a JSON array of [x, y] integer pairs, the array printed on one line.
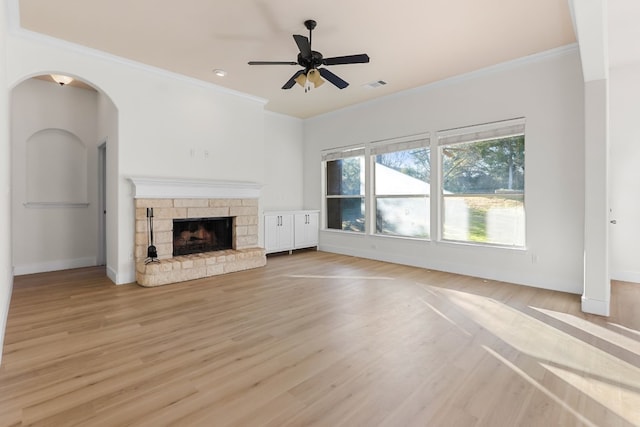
[[196, 235]]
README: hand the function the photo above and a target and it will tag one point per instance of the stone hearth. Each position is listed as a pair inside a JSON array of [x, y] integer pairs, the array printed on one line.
[[189, 199]]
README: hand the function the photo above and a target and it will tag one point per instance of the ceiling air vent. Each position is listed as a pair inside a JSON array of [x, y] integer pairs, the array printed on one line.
[[376, 84]]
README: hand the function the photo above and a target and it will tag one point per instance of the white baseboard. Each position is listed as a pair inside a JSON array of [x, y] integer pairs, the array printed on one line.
[[626, 276], [126, 273], [7, 281], [112, 274], [593, 306], [488, 273], [64, 264]]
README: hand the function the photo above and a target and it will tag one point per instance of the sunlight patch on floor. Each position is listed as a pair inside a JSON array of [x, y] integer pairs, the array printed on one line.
[[624, 328], [539, 386], [445, 317], [593, 329], [607, 379]]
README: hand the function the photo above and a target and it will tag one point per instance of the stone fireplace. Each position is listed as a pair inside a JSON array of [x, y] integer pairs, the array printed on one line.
[[193, 216]]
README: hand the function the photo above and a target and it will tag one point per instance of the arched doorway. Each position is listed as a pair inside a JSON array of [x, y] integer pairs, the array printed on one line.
[[61, 136]]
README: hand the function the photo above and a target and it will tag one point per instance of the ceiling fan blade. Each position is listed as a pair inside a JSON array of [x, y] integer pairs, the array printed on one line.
[[303, 45], [272, 63], [289, 84], [362, 58], [337, 81]]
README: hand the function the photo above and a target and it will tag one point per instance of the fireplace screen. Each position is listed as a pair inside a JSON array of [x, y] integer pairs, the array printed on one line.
[[195, 235]]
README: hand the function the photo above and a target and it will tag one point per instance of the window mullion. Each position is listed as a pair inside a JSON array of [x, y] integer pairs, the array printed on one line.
[[369, 191]]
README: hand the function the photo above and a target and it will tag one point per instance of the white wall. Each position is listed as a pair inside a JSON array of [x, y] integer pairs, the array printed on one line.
[[6, 273], [108, 133], [548, 92], [283, 166], [624, 239], [155, 124], [168, 126], [597, 284], [60, 237]]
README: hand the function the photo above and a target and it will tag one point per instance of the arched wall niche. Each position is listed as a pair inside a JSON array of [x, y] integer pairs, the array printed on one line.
[[56, 168]]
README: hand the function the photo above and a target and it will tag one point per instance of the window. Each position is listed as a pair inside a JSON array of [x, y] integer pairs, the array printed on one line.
[[483, 183], [402, 188], [345, 195]]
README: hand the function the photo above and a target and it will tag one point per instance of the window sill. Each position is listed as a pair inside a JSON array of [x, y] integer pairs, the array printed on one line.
[[350, 233], [481, 245], [391, 236]]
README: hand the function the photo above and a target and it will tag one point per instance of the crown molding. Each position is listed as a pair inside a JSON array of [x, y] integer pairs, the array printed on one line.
[[569, 49]]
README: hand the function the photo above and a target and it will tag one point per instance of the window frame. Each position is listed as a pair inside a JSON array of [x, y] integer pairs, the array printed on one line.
[[341, 154], [436, 197], [421, 141], [476, 134]]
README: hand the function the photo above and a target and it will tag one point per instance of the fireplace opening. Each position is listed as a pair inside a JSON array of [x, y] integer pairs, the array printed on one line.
[[196, 235]]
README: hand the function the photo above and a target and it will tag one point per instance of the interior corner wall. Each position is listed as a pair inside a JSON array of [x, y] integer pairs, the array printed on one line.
[[624, 174], [65, 235], [108, 134], [283, 184], [168, 125], [6, 269], [548, 92], [597, 287]]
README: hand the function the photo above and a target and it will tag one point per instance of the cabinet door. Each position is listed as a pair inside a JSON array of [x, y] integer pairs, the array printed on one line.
[[306, 230], [312, 228], [278, 233], [300, 230], [271, 228], [285, 233]]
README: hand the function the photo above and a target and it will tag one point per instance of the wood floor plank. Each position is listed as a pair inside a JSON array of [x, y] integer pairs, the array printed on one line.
[[316, 339]]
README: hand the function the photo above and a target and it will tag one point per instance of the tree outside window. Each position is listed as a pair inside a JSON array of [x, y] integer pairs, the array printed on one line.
[[345, 194], [402, 193], [483, 191]]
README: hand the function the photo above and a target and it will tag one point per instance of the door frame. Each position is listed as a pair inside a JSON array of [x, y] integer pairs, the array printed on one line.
[[101, 258]]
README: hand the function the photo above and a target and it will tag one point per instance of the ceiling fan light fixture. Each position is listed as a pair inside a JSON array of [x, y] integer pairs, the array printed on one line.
[[314, 77], [301, 79], [61, 79]]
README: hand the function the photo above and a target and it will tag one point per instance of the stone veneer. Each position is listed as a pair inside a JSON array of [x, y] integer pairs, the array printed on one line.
[[245, 253]]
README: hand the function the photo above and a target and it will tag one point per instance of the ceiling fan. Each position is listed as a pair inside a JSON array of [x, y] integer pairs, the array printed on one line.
[[310, 60]]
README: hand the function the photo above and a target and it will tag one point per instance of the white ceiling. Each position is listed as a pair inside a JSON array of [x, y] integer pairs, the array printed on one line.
[[410, 42]]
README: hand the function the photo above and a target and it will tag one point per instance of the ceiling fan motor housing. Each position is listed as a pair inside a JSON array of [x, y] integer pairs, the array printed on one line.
[[308, 63]]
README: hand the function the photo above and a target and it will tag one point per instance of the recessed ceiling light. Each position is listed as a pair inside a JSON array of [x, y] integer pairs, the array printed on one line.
[[375, 84], [219, 72]]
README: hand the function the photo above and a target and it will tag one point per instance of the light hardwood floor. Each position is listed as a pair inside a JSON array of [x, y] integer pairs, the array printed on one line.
[[316, 339]]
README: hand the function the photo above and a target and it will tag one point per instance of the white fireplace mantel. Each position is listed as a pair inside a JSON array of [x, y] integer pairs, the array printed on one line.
[[178, 188]]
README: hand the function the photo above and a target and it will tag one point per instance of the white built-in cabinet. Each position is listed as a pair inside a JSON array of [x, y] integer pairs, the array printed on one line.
[[278, 232], [305, 233], [289, 230]]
